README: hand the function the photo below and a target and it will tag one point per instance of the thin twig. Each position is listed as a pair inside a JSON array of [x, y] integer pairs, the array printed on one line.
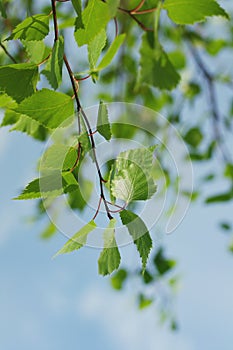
[[7, 53], [213, 101]]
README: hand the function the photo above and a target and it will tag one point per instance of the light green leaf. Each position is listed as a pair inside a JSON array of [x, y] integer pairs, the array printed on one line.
[[95, 48], [29, 126], [156, 68], [139, 232], [18, 80], [53, 69], [110, 258], [48, 107], [78, 240], [191, 11], [37, 51], [94, 18], [103, 125], [52, 185], [32, 28], [112, 7], [78, 199], [6, 101], [49, 231], [113, 49], [132, 179], [59, 157]]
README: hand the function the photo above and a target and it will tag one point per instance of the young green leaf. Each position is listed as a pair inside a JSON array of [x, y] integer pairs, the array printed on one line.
[[19, 80], [48, 108], [59, 157], [112, 7], [53, 69], [139, 232], [132, 179], [94, 18], [110, 258], [156, 68], [191, 11], [78, 240], [95, 48], [113, 49], [103, 125], [32, 28], [52, 185], [37, 51], [29, 126]]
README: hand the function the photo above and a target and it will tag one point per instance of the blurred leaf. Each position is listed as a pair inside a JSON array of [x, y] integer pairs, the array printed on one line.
[[118, 279], [144, 302], [163, 264], [194, 137]]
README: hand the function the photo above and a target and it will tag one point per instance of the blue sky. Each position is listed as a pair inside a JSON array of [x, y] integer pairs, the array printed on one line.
[[52, 304]]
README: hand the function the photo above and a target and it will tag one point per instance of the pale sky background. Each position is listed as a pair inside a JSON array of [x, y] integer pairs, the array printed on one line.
[[63, 303]]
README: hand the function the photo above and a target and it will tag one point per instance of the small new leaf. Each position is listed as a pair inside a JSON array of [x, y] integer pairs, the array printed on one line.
[[113, 49], [103, 125], [53, 69], [78, 240], [139, 232], [110, 258], [95, 48]]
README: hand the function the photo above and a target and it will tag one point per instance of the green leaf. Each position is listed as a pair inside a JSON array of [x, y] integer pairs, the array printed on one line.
[[18, 80], [95, 48], [94, 18], [103, 125], [222, 197], [162, 264], [48, 107], [193, 137], [32, 28], [53, 69], [49, 231], [132, 179], [37, 51], [6, 101], [113, 49], [139, 233], [52, 185], [30, 127], [59, 157], [191, 11], [78, 240], [110, 258], [77, 4], [2, 9], [78, 199], [118, 279], [155, 67], [112, 7], [144, 302]]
